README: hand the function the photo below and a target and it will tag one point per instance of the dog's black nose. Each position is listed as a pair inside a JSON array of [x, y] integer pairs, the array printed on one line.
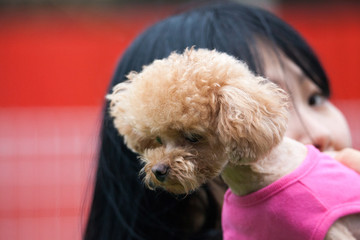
[[160, 171]]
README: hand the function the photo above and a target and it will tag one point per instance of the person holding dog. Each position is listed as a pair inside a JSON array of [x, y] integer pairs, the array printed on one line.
[[123, 208]]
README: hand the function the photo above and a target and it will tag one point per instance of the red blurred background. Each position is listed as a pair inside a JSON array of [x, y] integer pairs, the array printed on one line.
[[55, 65]]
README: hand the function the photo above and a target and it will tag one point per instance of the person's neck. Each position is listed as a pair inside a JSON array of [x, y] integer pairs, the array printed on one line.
[[283, 159]]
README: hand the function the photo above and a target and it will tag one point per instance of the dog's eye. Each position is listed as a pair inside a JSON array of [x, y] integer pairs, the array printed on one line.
[[193, 138], [158, 139]]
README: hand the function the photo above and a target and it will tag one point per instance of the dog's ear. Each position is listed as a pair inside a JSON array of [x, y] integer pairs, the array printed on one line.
[[117, 101], [119, 110], [252, 118]]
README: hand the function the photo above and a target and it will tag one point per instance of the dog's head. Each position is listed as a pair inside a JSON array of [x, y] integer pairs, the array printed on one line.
[[190, 114]]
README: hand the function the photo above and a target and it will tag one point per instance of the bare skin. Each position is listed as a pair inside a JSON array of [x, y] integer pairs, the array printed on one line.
[[349, 157]]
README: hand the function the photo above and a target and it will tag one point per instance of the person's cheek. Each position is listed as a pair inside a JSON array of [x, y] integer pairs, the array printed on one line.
[[293, 127], [339, 127]]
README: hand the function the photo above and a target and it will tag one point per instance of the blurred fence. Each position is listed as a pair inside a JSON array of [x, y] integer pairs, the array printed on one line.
[[45, 171]]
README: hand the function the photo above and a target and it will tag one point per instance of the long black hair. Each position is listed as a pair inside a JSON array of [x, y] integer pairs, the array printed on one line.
[[122, 208]]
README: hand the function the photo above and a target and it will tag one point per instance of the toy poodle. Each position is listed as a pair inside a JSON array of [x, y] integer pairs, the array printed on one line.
[[200, 114]]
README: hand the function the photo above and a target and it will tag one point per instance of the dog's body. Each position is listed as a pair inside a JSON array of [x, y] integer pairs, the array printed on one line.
[[195, 116], [261, 189]]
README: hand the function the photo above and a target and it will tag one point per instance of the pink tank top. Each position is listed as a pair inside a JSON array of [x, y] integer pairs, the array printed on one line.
[[299, 206]]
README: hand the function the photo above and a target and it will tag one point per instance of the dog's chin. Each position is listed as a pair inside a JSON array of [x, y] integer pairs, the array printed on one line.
[[177, 189], [174, 187]]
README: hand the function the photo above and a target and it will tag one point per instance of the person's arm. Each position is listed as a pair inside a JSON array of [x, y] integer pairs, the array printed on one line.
[[349, 157]]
